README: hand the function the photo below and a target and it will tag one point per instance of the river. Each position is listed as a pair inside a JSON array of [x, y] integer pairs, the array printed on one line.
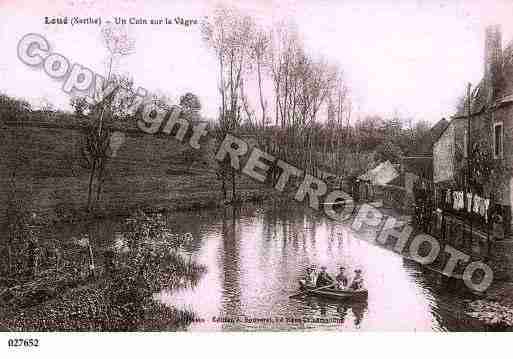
[[255, 256]]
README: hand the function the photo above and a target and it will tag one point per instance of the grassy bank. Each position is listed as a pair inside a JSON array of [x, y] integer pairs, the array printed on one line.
[[82, 286]]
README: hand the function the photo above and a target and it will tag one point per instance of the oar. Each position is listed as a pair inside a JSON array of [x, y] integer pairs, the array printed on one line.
[[326, 286], [306, 291]]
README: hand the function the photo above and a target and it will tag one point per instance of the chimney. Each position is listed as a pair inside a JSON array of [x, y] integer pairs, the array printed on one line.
[[492, 60]]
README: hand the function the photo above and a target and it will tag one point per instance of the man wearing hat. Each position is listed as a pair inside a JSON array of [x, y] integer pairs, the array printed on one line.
[[324, 279], [357, 282], [310, 277], [341, 278]]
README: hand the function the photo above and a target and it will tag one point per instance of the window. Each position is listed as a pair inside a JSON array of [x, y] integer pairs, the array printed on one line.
[[497, 140]]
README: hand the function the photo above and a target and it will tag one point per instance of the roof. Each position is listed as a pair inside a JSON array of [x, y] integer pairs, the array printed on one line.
[[480, 96], [425, 145], [381, 174], [425, 148]]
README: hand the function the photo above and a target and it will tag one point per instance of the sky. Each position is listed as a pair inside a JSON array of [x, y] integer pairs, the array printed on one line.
[[411, 58]]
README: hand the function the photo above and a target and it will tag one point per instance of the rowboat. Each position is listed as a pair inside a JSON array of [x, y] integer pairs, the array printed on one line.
[[332, 293]]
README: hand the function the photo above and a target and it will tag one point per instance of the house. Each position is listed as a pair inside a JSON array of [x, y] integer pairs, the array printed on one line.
[[420, 161], [380, 175], [397, 189], [490, 115]]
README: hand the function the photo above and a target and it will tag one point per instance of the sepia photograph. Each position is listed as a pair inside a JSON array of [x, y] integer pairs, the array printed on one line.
[[291, 166]]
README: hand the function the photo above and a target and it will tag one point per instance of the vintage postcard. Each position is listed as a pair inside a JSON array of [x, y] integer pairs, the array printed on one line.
[[256, 166]]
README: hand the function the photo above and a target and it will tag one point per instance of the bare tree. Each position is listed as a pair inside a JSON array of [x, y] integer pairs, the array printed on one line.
[[302, 89], [118, 44], [229, 34], [259, 54]]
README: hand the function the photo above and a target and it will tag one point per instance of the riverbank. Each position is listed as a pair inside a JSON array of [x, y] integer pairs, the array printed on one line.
[[494, 306], [44, 171], [89, 307], [106, 302], [92, 283], [176, 202]]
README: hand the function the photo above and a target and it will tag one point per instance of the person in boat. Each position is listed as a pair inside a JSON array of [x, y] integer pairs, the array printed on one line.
[[324, 279], [341, 279], [357, 282], [310, 277]]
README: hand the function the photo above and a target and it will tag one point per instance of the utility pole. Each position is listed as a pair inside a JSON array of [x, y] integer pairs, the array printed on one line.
[[469, 150], [469, 155]]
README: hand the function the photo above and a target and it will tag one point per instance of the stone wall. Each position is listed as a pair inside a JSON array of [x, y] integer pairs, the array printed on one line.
[[501, 259], [395, 197]]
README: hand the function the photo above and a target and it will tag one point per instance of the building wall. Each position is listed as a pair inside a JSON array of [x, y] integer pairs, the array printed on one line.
[[496, 84], [504, 114], [443, 156], [446, 160]]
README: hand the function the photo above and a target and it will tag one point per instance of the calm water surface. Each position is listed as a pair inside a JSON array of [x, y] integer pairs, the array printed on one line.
[[255, 257]]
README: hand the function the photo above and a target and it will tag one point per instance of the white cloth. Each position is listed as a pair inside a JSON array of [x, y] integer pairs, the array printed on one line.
[[438, 218], [477, 203], [469, 202], [486, 204], [459, 201]]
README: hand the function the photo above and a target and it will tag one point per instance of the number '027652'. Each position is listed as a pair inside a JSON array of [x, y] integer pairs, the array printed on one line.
[[23, 343]]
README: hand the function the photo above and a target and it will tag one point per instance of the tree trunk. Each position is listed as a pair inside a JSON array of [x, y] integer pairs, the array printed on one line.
[[223, 186], [100, 179], [90, 190], [233, 186]]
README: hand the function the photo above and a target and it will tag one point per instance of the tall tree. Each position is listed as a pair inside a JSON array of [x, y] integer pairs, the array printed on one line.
[[118, 44], [229, 34]]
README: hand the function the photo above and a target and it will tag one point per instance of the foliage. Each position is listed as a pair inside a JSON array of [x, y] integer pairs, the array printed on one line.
[[79, 105], [388, 151], [190, 101], [11, 108], [485, 170], [491, 313], [116, 105], [191, 106], [147, 260], [22, 245], [96, 147], [229, 34]]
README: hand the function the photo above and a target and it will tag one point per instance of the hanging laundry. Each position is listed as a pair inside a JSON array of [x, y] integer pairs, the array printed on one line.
[[486, 205], [477, 201], [469, 202], [439, 218], [461, 200], [448, 196], [456, 200]]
